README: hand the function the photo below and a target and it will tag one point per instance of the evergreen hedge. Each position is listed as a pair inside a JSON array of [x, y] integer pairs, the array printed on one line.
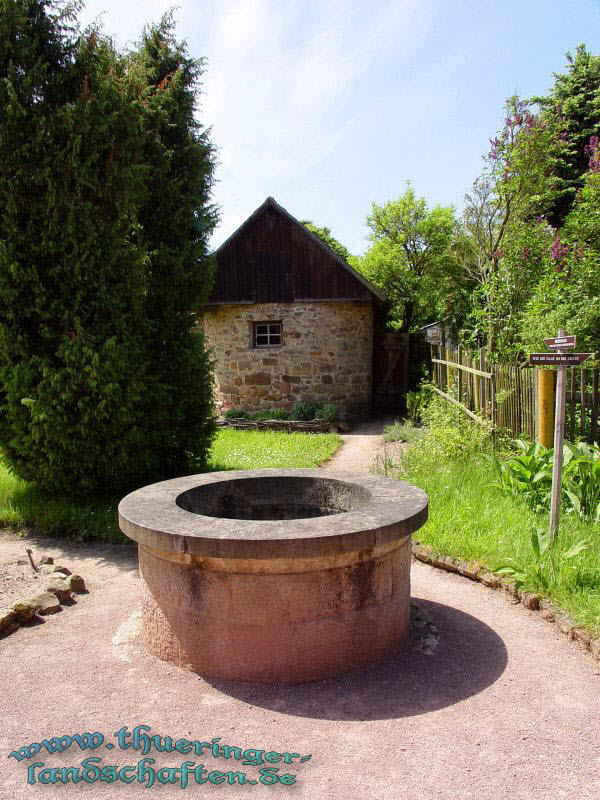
[[103, 383]]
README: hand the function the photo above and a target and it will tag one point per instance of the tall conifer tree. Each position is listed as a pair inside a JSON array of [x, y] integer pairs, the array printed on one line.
[[176, 220], [72, 278]]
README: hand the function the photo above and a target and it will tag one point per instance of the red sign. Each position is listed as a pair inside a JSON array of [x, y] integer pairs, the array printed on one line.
[[558, 359], [558, 342]]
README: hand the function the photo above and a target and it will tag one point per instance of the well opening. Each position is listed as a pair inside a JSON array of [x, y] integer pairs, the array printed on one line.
[[274, 498]]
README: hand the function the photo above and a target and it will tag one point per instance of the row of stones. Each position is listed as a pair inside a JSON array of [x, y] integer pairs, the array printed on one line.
[[534, 602], [59, 590], [318, 425]]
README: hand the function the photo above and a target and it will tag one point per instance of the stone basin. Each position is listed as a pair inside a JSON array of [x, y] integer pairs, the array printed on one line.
[[274, 576]]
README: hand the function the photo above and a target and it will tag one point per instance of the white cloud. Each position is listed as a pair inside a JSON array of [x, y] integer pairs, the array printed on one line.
[[280, 81], [279, 88]]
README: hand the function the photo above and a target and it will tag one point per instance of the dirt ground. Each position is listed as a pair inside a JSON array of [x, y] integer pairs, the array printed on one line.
[[500, 705]]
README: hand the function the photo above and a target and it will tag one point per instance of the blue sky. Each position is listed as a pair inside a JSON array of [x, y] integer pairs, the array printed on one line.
[[330, 106]]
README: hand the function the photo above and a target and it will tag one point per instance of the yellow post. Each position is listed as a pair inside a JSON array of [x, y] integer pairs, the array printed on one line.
[[545, 407]]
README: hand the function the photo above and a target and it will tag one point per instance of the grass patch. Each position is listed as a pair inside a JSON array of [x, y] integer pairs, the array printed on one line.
[[472, 520], [234, 449], [402, 431], [22, 506]]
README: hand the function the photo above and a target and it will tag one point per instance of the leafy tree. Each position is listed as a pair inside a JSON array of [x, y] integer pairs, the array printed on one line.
[[571, 111], [411, 258], [325, 236], [568, 294], [176, 220]]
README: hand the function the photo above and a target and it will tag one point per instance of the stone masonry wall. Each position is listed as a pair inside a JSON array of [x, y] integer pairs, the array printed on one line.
[[326, 356]]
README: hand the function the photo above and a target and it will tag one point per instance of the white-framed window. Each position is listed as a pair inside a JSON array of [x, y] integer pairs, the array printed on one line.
[[267, 334]]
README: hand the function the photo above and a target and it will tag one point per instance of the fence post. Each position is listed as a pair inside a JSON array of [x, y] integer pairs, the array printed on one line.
[[545, 407], [493, 402], [536, 427], [482, 382], [459, 378]]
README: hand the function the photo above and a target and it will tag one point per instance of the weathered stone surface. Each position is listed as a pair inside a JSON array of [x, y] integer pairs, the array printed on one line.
[[511, 589], [61, 590], [14, 626], [469, 570], [583, 637], [422, 553], [47, 604], [25, 610], [326, 355], [7, 617], [256, 379], [489, 579], [182, 515], [448, 563], [564, 622], [64, 570], [327, 553], [547, 609], [76, 583], [530, 600]]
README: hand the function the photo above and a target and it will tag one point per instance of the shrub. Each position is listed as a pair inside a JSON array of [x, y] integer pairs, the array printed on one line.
[[327, 412], [528, 474], [304, 411], [402, 432], [416, 403], [236, 413]]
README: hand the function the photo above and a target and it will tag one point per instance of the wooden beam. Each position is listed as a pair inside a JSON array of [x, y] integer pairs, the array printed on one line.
[[463, 367], [473, 416]]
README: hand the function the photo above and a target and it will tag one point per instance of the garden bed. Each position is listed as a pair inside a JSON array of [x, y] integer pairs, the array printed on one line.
[[286, 425]]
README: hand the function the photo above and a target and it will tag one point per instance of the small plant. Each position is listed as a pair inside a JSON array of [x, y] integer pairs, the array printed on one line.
[[304, 411], [269, 413], [415, 404], [327, 412], [528, 474], [581, 479], [402, 432], [542, 573], [235, 413]]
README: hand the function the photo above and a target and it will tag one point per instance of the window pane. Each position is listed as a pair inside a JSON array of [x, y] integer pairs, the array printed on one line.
[[262, 329], [275, 339], [262, 340]]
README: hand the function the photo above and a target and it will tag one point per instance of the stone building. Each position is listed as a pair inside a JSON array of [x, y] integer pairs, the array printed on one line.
[[288, 320]]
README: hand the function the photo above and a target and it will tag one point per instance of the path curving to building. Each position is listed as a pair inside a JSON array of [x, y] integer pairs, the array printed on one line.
[[486, 700]]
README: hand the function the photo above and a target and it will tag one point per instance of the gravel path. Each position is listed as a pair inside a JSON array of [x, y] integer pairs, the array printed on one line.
[[498, 704]]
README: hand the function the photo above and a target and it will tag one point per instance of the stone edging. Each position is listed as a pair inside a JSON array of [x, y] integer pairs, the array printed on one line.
[[57, 594], [531, 601], [287, 425]]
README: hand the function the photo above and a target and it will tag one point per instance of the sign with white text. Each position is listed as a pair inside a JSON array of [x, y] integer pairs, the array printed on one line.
[[560, 342], [557, 359]]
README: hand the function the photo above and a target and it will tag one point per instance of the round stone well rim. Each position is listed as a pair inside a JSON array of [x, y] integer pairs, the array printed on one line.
[[151, 517]]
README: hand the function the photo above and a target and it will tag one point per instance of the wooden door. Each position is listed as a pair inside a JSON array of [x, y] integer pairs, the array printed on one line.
[[390, 370]]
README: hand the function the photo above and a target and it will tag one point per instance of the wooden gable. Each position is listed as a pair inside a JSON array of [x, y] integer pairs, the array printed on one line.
[[272, 258]]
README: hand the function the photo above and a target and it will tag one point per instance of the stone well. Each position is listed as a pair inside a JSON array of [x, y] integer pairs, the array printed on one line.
[[272, 575]]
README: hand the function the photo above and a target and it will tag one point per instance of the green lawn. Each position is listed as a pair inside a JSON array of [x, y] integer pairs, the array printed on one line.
[[470, 519], [22, 506]]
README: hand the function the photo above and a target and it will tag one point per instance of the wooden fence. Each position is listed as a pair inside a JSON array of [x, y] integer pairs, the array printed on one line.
[[504, 396]]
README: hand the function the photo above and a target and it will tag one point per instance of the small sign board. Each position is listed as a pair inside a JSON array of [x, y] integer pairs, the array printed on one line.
[[558, 342], [558, 359]]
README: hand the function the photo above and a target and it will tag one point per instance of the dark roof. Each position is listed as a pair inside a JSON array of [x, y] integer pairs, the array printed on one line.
[[289, 256]]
